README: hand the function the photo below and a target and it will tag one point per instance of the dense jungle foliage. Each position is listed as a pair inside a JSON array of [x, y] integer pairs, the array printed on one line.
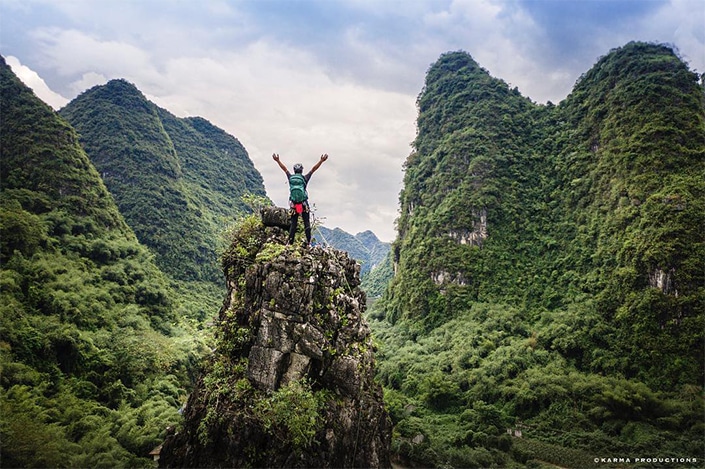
[[178, 182], [96, 352], [549, 264]]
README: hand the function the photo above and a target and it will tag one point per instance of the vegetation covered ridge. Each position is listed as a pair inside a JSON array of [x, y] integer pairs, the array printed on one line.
[[177, 181], [92, 368], [549, 268]]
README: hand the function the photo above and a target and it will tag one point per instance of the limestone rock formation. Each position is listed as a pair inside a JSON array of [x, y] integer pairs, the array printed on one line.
[[275, 216], [291, 381]]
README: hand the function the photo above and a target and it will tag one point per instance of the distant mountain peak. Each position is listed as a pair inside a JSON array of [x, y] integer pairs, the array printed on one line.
[[364, 247]]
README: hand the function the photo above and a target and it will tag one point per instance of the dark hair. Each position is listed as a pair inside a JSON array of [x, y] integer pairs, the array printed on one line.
[[298, 168]]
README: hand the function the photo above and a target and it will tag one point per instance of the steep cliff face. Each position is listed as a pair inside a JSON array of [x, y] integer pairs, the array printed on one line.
[[291, 382], [549, 262], [597, 201]]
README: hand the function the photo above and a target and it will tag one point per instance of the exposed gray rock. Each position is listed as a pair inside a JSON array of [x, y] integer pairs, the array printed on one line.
[[291, 382], [276, 217]]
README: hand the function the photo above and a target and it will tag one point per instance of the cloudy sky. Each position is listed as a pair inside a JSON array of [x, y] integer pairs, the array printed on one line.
[[306, 77]]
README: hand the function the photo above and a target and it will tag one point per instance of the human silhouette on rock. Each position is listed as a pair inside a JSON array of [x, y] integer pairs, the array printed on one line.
[[298, 196]]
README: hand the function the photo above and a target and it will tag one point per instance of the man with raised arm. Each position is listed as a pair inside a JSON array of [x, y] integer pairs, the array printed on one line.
[[298, 196]]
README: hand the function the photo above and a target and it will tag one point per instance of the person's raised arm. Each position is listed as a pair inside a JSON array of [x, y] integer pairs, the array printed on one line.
[[275, 157], [320, 162]]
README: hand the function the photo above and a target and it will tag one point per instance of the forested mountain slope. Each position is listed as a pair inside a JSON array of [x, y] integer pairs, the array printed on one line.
[[550, 268], [178, 182], [91, 368]]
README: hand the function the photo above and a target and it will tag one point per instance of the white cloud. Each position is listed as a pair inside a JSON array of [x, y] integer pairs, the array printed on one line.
[[30, 78], [72, 52], [88, 80]]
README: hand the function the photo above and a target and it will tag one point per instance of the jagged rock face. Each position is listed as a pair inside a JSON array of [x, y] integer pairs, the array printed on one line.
[[291, 382]]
